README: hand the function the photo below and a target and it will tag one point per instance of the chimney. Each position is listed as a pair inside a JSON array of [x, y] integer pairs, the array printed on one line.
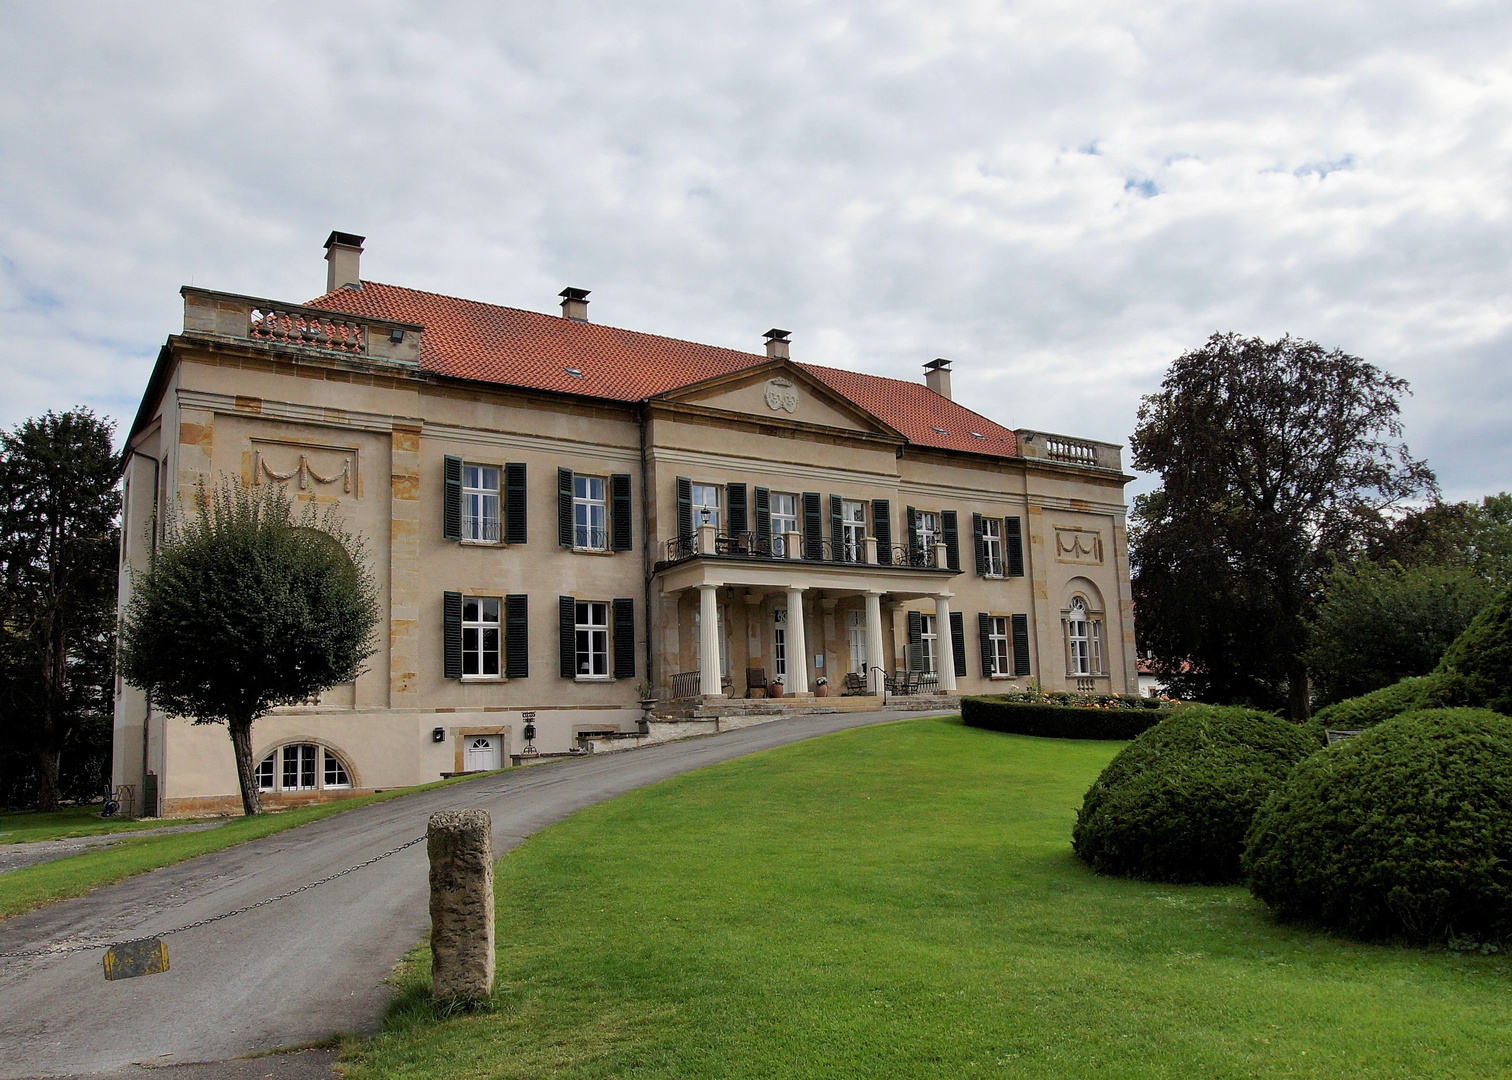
[[777, 344], [937, 376], [574, 304], [343, 251]]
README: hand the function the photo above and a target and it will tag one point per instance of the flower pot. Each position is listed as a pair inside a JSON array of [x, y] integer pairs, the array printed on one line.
[[775, 689], [822, 690]]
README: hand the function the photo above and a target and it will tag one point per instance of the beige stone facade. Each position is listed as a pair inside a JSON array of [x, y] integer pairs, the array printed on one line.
[[352, 410]]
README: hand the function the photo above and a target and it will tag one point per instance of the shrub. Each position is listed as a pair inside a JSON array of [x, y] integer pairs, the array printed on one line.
[[1405, 830], [1053, 721], [1437, 691], [1482, 656], [1174, 805]]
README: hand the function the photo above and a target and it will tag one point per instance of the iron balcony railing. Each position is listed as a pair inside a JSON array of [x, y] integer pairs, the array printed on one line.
[[484, 530], [751, 545]]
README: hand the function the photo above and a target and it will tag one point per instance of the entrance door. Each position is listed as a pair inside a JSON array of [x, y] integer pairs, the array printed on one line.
[[856, 624], [482, 753]]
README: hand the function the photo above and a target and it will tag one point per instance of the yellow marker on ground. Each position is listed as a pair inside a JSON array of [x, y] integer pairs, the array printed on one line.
[[149, 956]]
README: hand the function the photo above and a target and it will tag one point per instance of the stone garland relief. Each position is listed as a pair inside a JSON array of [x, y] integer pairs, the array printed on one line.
[[1078, 546], [309, 466]]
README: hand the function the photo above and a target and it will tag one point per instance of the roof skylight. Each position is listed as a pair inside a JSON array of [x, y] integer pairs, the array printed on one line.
[[977, 435], [938, 430], [576, 373]]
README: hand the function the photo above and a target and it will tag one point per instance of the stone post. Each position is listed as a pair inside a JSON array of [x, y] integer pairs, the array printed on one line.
[[460, 844]]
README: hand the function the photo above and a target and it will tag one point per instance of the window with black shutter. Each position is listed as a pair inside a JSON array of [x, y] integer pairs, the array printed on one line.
[[516, 636], [451, 504], [451, 635], [882, 530], [620, 518], [984, 629], [763, 519], [958, 643], [735, 495], [624, 639], [1013, 542], [684, 509], [979, 544], [567, 644], [951, 534], [1021, 644], [915, 641], [813, 525], [514, 503], [564, 507]]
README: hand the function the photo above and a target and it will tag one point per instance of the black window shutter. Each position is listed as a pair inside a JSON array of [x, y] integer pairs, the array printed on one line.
[[516, 636], [514, 502], [621, 533], [564, 507], [979, 544], [684, 507], [451, 635], [451, 507], [916, 641], [764, 519], [882, 529], [837, 528], [567, 645], [984, 629], [1013, 542], [913, 537], [950, 532], [813, 526], [624, 639], [735, 495], [958, 643], [1021, 644]]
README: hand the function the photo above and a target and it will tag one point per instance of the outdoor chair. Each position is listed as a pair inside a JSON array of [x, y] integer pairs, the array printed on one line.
[[756, 680], [854, 684]]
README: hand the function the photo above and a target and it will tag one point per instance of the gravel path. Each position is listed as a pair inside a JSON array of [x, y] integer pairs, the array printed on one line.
[[299, 970]]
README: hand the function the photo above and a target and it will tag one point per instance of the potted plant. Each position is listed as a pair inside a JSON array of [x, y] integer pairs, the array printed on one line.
[[775, 687], [821, 687]]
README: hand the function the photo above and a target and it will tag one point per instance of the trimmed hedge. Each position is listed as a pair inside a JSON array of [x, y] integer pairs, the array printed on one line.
[[1482, 656], [1404, 831], [1175, 804], [1439, 690], [1059, 721]]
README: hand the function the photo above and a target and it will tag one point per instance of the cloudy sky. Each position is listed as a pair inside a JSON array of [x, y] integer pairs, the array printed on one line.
[[1060, 196]]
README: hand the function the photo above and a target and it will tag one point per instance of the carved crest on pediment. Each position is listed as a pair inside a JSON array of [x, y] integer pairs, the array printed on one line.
[[781, 395]]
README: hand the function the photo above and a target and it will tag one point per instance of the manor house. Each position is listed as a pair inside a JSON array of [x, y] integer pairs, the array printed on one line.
[[565, 517]]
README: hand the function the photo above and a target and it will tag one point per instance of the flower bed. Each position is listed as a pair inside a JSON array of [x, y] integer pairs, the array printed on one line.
[[1060, 715]]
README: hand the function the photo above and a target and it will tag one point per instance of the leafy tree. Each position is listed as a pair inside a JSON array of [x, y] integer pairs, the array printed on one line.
[[1380, 624], [1277, 458], [1477, 537], [246, 608], [58, 540]]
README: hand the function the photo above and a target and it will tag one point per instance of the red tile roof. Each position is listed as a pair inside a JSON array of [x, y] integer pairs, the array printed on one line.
[[466, 339]]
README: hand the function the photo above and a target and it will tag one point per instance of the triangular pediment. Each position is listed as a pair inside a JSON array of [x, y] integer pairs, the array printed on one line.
[[782, 391]]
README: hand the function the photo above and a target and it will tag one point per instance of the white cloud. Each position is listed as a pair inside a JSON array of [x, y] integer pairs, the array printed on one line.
[[1061, 197]]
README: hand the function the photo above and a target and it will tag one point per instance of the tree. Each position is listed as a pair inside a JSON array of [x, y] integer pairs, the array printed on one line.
[[58, 540], [1477, 537], [1279, 457], [246, 608], [1379, 624]]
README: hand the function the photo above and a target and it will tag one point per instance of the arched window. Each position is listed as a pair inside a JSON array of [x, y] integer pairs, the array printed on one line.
[[302, 767], [1084, 638]]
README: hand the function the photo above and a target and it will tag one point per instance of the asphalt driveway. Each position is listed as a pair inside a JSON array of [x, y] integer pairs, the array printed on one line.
[[306, 967]]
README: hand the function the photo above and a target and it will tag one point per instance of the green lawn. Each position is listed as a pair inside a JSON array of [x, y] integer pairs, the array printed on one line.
[[901, 901], [74, 875], [24, 826]]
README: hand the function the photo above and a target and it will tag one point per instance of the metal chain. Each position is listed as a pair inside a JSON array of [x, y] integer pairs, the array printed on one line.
[[60, 950]]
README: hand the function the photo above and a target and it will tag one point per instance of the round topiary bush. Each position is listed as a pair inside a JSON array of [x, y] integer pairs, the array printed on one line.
[[1405, 830], [1175, 803], [1482, 656], [1440, 690]]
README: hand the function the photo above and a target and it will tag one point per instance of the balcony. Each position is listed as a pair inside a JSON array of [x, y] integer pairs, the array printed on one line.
[[272, 322], [1064, 450]]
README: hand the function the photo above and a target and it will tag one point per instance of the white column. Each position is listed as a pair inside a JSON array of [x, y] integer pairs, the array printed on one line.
[[797, 644], [708, 640], [944, 650], [874, 662]]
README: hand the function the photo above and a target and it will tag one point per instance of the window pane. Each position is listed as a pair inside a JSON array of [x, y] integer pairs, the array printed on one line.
[[265, 770], [490, 652], [291, 768], [490, 608]]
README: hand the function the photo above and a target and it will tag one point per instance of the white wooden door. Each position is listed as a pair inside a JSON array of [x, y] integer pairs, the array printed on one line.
[[856, 622], [482, 753]]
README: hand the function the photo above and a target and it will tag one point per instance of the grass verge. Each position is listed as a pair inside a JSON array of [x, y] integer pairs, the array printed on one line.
[[26, 826], [901, 901], [74, 875]]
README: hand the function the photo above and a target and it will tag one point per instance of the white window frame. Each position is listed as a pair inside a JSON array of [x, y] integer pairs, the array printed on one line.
[[476, 630], [1084, 645], [1001, 643], [324, 769], [480, 503], [590, 512], [706, 497], [929, 641], [342, 776], [783, 522], [992, 546], [927, 526], [779, 641], [591, 641], [853, 529]]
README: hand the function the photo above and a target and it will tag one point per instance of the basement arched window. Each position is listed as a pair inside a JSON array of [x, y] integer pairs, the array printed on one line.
[[302, 767]]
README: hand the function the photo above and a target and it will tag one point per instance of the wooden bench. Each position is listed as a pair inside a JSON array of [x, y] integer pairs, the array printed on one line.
[[854, 684]]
